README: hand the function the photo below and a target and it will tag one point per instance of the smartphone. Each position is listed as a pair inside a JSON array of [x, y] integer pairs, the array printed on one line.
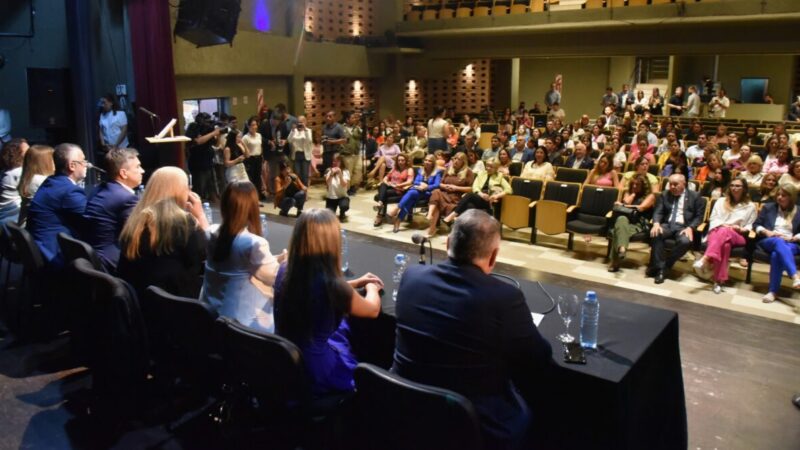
[[574, 354]]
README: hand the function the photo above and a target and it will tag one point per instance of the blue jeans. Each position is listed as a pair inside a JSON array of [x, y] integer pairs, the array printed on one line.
[[296, 200], [410, 198], [781, 259], [301, 166]]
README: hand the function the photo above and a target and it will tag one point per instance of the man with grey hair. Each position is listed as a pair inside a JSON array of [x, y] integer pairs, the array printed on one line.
[[111, 203], [459, 328], [677, 212], [59, 203]]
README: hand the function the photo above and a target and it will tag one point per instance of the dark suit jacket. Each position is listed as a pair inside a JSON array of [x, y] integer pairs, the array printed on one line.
[[106, 212], [57, 207], [463, 330], [768, 214], [693, 208], [587, 163]]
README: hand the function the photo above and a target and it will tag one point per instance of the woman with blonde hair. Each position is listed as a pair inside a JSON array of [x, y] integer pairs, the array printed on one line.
[[456, 182], [753, 175], [36, 167], [162, 241], [313, 300], [240, 269], [779, 225]]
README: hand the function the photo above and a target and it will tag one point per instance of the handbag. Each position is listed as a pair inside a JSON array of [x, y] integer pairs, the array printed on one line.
[[631, 213]]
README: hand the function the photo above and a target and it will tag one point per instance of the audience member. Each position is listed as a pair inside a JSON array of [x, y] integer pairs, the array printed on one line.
[[780, 164], [337, 179], [384, 158], [692, 107], [739, 164], [677, 212], [302, 141], [392, 187], [253, 142], [36, 167], [504, 161], [639, 199], [491, 153], [201, 154], [656, 103], [417, 145], [753, 174], [751, 136], [59, 203], [487, 190], [720, 139], [778, 224], [456, 181], [642, 148], [719, 104], [675, 103], [792, 176], [290, 192], [551, 97], [109, 206], [579, 159], [522, 151], [333, 137], [603, 173], [240, 269], [475, 162], [11, 159], [449, 336], [731, 218], [713, 164], [641, 167], [425, 182], [162, 242], [313, 300], [768, 190], [437, 127], [676, 163], [539, 168]]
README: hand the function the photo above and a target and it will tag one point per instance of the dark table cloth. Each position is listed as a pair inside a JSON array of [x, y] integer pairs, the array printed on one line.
[[629, 395]]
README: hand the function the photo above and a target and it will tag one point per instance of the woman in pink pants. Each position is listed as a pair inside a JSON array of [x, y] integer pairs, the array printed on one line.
[[731, 218]]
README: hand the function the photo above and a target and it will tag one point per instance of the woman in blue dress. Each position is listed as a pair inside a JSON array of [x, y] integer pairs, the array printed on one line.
[[427, 179], [313, 300], [240, 269]]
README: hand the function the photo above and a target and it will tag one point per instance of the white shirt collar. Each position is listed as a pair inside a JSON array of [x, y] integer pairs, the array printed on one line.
[[126, 187]]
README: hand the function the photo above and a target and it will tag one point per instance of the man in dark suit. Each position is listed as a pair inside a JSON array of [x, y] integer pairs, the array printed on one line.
[[579, 159], [678, 211], [462, 329], [111, 203], [470, 143], [59, 203]]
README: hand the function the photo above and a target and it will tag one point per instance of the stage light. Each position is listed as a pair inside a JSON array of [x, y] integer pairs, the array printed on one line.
[[261, 19]]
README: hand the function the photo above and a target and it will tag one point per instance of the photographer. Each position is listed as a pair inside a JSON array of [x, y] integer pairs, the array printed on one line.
[[276, 149], [302, 144], [201, 154], [333, 137]]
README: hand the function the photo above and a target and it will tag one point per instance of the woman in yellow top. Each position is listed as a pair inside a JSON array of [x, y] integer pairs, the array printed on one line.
[[487, 190], [539, 168]]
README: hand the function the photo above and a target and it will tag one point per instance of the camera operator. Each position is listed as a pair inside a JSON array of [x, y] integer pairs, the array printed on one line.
[[201, 154]]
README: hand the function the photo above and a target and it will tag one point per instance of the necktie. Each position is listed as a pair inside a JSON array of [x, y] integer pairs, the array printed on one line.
[[673, 217]]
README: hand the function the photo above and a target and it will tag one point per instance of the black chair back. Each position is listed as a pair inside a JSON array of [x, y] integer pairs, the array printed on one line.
[[117, 337], [597, 201], [395, 413], [562, 191], [29, 253], [515, 169], [527, 187], [571, 175], [72, 249], [268, 366]]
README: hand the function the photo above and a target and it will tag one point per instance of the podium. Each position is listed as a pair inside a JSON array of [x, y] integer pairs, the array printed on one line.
[[162, 138]]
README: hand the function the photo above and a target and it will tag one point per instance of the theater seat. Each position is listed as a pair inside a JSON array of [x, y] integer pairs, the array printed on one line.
[[395, 413], [72, 249], [571, 175], [593, 212]]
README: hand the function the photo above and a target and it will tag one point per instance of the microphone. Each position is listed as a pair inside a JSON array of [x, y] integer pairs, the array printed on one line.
[[420, 240], [148, 112], [92, 166]]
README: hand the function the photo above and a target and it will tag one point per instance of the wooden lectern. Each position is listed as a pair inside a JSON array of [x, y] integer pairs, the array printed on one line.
[[161, 137]]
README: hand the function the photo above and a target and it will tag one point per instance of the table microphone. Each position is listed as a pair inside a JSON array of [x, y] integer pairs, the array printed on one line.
[[92, 166], [420, 240], [148, 112]]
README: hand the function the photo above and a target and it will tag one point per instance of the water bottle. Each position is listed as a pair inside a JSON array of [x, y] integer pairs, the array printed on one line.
[[264, 229], [590, 316], [208, 212], [345, 250], [400, 262]]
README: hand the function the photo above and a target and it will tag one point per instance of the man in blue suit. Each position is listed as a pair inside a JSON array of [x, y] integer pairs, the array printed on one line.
[[59, 203], [110, 205], [579, 158], [462, 329]]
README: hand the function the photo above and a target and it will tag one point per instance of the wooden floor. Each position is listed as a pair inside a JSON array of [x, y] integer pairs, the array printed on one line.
[[740, 371]]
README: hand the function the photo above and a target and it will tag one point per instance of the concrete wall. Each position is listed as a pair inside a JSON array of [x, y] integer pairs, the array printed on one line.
[[585, 80], [778, 68]]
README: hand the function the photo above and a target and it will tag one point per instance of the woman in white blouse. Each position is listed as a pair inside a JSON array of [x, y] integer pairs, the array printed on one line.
[[753, 175], [792, 176], [252, 141], [731, 218], [302, 148], [539, 168], [436, 131]]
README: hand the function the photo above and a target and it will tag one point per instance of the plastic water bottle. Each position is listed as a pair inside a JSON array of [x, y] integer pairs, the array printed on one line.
[[208, 212], [264, 226], [590, 316], [400, 262], [345, 251]]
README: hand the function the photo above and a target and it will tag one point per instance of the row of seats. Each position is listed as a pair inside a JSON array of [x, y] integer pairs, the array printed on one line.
[[139, 347], [482, 8], [557, 207]]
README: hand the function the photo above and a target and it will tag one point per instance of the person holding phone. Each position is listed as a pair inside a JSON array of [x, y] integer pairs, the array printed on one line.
[[290, 192], [302, 143]]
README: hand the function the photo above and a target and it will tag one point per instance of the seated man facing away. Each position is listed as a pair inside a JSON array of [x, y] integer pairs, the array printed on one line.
[[111, 203], [459, 328], [59, 203], [678, 210]]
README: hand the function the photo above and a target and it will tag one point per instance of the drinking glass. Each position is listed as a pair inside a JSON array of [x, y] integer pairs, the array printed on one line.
[[568, 305]]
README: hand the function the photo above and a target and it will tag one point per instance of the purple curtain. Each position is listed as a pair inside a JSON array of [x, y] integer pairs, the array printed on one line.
[[154, 73]]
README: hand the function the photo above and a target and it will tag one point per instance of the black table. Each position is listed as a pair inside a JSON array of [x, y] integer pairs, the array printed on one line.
[[629, 395]]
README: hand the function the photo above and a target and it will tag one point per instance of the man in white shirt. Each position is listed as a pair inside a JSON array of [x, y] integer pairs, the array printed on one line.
[[697, 150], [556, 112], [693, 103], [719, 105]]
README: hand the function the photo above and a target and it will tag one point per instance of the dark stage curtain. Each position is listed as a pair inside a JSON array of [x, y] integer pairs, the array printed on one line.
[[154, 75]]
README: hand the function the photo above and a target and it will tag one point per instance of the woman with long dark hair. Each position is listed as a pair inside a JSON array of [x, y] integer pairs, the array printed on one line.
[[234, 155], [113, 124], [639, 197], [240, 269], [313, 300]]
